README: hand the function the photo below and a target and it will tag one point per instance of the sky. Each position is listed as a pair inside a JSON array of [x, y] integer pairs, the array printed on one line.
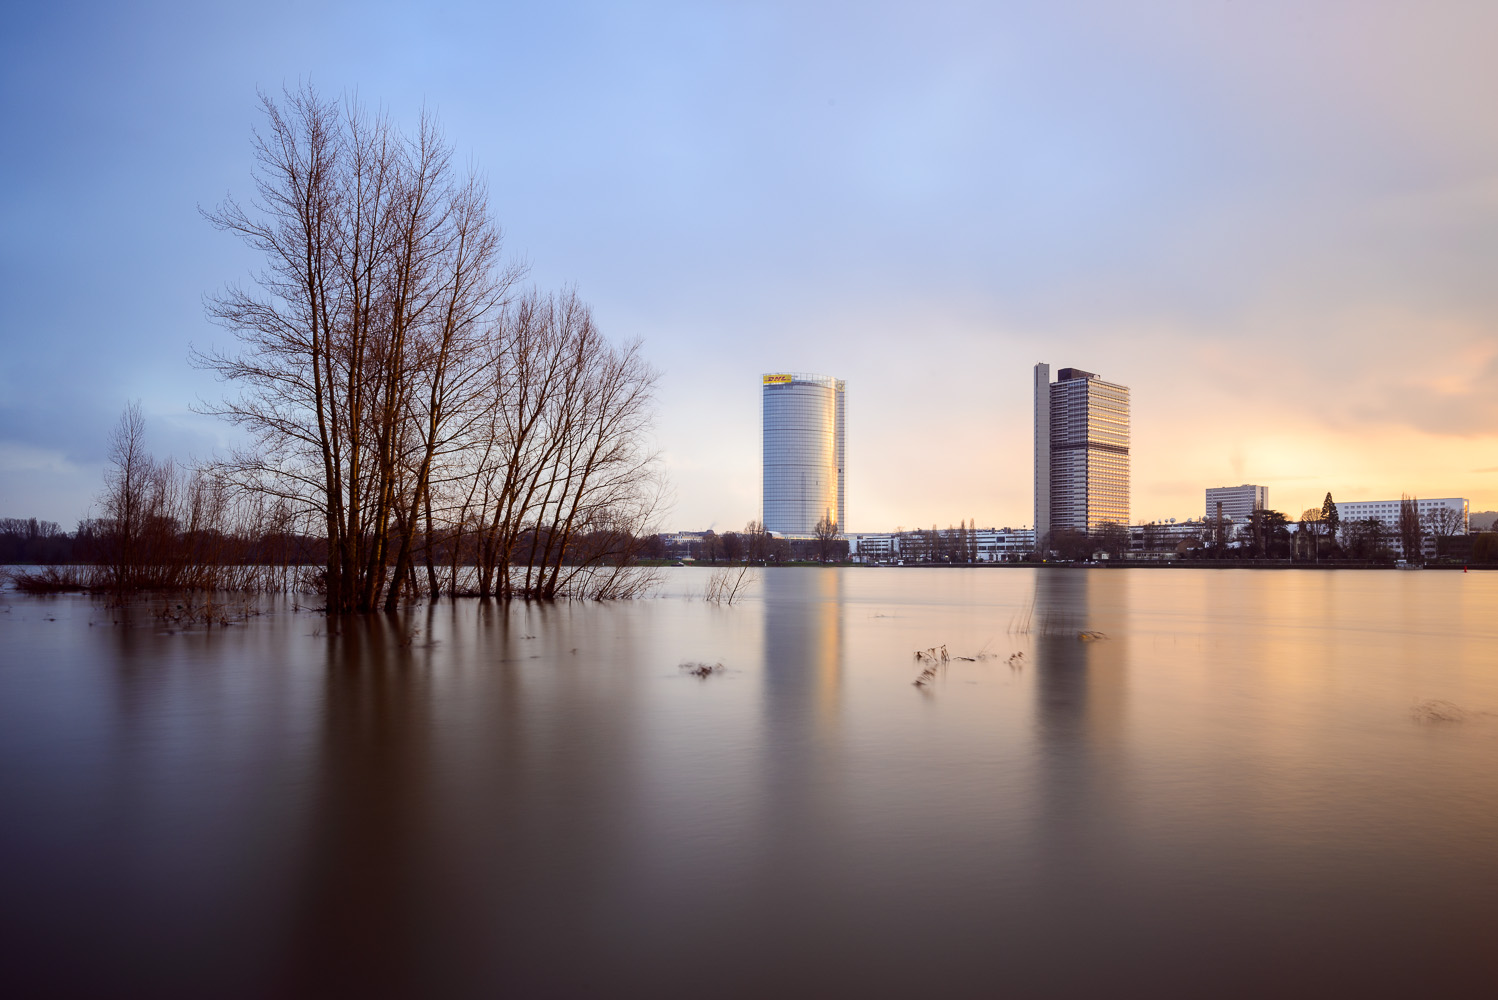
[[1276, 222]]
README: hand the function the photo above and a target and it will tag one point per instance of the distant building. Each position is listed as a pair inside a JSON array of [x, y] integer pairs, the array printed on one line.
[[804, 444], [979, 545], [1238, 502], [1004, 544], [675, 539], [874, 546], [1167, 536], [1451, 514], [1081, 452], [1387, 511]]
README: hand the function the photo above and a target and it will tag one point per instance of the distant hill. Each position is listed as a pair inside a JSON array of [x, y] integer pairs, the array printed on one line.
[[1482, 520]]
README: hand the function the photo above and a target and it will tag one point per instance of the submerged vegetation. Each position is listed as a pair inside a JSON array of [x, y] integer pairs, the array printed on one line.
[[728, 584], [406, 404], [417, 425], [936, 659]]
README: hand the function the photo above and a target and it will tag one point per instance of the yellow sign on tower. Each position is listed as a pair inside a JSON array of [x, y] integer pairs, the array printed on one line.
[[777, 379]]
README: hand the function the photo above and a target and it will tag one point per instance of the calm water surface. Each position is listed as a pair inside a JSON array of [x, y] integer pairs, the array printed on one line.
[[1260, 783]]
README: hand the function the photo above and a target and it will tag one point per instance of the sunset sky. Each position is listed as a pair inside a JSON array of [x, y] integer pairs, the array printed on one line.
[[1276, 222]]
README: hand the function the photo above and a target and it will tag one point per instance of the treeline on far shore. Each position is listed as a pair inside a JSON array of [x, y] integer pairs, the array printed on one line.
[[33, 542], [214, 548]]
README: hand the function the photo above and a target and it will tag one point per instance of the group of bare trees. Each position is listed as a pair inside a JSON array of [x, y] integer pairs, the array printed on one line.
[[399, 393], [753, 545], [166, 526]]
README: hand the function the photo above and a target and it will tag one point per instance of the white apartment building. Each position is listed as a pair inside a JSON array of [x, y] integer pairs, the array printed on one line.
[[1167, 536], [1453, 509], [1004, 544], [873, 547], [989, 544]]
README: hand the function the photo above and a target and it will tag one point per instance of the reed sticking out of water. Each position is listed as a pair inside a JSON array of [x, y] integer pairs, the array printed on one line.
[[1024, 623], [48, 580], [205, 613], [937, 658], [1020, 623], [728, 584]]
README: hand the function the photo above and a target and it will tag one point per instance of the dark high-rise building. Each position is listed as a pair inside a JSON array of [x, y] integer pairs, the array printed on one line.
[[1081, 452], [803, 456]]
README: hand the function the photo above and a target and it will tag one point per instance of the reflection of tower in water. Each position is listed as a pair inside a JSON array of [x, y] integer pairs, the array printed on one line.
[[803, 651], [800, 760], [1079, 699]]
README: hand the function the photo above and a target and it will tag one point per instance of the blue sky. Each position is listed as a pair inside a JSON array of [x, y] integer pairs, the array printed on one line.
[[1277, 222]]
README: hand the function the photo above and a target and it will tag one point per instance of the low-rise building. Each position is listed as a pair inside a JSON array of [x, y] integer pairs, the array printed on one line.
[[1167, 536], [982, 545], [873, 547], [1442, 516]]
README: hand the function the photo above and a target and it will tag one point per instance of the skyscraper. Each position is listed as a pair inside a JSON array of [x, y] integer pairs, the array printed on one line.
[[803, 457], [1081, 452]]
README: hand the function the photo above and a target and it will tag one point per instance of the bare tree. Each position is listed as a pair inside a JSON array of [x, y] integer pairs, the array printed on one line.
[[1113, 538], [756, 542], [128, 479], [393, 391], [1312, 525], [1443, 522], [733, 546], [1409, 527], [826, 533]]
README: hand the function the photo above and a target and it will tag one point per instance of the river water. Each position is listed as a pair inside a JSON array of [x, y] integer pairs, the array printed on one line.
[[1252, 783]]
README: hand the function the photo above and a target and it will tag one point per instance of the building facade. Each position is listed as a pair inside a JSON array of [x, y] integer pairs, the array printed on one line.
[[1238, 502], [804, 447], [1168, 537], [1438, 517], [954, 545], [1387, 511], [1081, 452]]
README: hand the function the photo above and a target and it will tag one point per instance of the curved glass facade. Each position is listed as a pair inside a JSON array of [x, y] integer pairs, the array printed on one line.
[[803, 458]]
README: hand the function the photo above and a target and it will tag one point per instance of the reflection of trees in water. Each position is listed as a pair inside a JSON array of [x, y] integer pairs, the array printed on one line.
[[472, 790], [356, 917]]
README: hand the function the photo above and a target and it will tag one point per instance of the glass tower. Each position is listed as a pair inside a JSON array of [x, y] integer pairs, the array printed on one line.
[[803, 461], [1081, 452]]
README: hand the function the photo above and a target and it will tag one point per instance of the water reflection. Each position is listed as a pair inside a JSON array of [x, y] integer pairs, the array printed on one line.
[[1080, 688], [362, 873], [1080, 668], [803, 650], [481, 799]]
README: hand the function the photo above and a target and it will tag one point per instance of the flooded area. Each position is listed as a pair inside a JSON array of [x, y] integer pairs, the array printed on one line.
[[1180, 782]]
